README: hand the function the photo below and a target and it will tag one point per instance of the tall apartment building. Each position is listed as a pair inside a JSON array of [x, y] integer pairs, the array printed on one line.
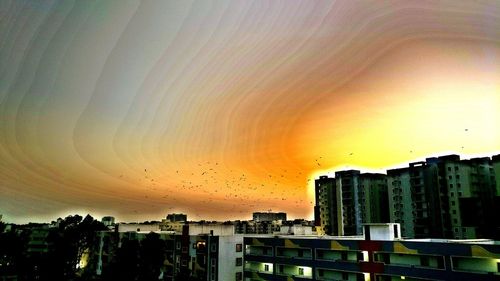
[[450, 198], [400, 200], [350, 199], [442, 197], [495, 161], [327, 210], [373, 198]]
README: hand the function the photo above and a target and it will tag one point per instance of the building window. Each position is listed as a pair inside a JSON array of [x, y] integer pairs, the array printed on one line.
[[239, 247], [239, 261], [424, 261], [178, 246], [200, 245], [301, 271], [319, 254], [345, 275], [214, 247], [266, 267], [343, 256], [239, 276], [321, 272]]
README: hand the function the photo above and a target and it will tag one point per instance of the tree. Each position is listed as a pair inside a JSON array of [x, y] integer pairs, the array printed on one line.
[[69, 241], [125, 263], [152, 255]]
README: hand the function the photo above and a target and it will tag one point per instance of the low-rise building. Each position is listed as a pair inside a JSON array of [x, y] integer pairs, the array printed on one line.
[[201, 251], [379, 255]]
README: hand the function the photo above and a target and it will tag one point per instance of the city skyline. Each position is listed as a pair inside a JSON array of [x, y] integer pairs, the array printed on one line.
[[218, 110]]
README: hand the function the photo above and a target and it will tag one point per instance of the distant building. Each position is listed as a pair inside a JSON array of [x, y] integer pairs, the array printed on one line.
[[137, 227], [37, 243], [167, 225], [378, 255], [108, 221], [257, 227], [177, 217], [269, 216]]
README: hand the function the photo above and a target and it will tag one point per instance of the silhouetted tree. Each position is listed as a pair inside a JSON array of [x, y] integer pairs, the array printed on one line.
[[152, 254], [125, 264], [12, 252], [73, 236]]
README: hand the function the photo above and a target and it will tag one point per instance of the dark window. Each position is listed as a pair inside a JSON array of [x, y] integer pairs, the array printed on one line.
[[424, 261], [239, 247], [343, 256], [301, 253], [239, 261], [264, 251], [239, 276], [319, 254]]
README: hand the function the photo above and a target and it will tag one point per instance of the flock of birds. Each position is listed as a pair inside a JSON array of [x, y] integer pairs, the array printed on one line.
[[217, 187]]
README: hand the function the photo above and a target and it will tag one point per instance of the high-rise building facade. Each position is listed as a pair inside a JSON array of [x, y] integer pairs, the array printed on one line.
[[269, 216], [326, 209], [347, 201], [441, 197]]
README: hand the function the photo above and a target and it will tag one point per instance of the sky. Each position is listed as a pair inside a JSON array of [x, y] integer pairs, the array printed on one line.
[[221, 108]]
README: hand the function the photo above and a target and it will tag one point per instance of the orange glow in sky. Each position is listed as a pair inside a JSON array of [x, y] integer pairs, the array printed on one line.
[[221, 109]]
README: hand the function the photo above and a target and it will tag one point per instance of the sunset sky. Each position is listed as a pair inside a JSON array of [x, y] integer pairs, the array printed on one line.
[[218, 109]]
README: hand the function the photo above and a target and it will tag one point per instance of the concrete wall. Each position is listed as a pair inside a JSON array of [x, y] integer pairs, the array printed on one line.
[[227, 267]]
